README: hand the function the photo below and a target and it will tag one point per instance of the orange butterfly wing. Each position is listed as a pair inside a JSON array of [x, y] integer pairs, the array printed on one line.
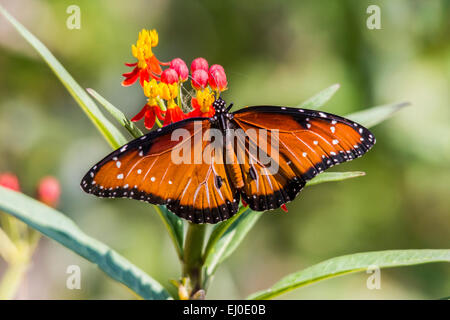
[[308, 142], [144, 170]]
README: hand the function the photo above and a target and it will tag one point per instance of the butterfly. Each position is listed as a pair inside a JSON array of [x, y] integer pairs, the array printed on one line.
[[201, 176]]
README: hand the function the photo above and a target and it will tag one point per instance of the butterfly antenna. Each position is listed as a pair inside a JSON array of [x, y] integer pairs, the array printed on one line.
[[229, 107]]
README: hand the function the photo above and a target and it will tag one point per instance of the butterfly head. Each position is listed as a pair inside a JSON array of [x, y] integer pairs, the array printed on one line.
[[221, 106]]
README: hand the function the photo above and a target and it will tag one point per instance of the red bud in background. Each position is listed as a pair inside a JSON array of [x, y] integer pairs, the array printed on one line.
[[199, 79], [49, 191], [217, 78], [169, 76], [199, 64], [181, 68], [10, 181]]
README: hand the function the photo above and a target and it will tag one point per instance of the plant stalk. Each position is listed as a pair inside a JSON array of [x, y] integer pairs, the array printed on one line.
[[193, 255]]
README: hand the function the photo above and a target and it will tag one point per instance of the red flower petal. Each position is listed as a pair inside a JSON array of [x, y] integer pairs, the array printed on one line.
[[283, 206], [154, 65], [149, 120], [131, 73], [132, 79], [159, 113], [131, 64], [140, 115], [143, 76], [168, 118]]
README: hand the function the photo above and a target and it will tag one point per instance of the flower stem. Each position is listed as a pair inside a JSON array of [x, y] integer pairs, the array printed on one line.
[[193, 260]]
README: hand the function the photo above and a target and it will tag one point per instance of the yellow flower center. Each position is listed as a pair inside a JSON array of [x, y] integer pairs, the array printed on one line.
[[168, 91], [143, 48], [152, 91], [205, 99]]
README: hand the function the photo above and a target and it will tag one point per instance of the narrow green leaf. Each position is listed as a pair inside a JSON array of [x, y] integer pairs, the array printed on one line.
[[218, 230], [231, 237], [58, 227], [110, 132], [353, 263], [174, 226], [227, 235], [334, 176], [116, 113], [320, 99], [373, 116]]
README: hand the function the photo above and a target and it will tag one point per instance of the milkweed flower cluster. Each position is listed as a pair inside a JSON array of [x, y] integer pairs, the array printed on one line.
[[163, 83]]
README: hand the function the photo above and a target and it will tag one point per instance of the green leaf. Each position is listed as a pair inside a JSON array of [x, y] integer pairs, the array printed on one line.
[[116, 113], [58, 227], [110, 132], [352, 263], [334, 176], [226, 237], [373, 116], [320, 99], [174, 226]]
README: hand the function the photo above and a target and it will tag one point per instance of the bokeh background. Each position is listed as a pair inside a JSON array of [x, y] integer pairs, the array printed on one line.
[[274, 52]]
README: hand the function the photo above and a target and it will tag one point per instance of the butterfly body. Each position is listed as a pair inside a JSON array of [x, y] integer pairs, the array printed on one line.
[[263, 155]]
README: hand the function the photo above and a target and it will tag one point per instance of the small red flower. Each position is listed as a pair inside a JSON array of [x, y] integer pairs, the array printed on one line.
[[283, 206], [49, 191], [217, 78], [203, 104], [173, 114], [169, 76], [181, 68], [197, 112], [149, 113], [199, 64], [153, 69], [199, 79], [10, 181]]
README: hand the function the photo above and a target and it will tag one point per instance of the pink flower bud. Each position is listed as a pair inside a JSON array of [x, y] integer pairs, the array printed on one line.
[[10, 181], [199, 79], [49, 191], [169, 76], [217, 78], [199, 64], [181, 68]]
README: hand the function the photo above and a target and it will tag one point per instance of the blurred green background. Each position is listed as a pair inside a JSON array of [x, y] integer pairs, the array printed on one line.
[[274, 52]]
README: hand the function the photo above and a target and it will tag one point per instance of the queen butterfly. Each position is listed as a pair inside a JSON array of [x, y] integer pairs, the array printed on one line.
[[308, 142]]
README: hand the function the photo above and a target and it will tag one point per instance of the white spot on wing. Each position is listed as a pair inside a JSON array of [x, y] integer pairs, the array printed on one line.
[[120, 176]]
